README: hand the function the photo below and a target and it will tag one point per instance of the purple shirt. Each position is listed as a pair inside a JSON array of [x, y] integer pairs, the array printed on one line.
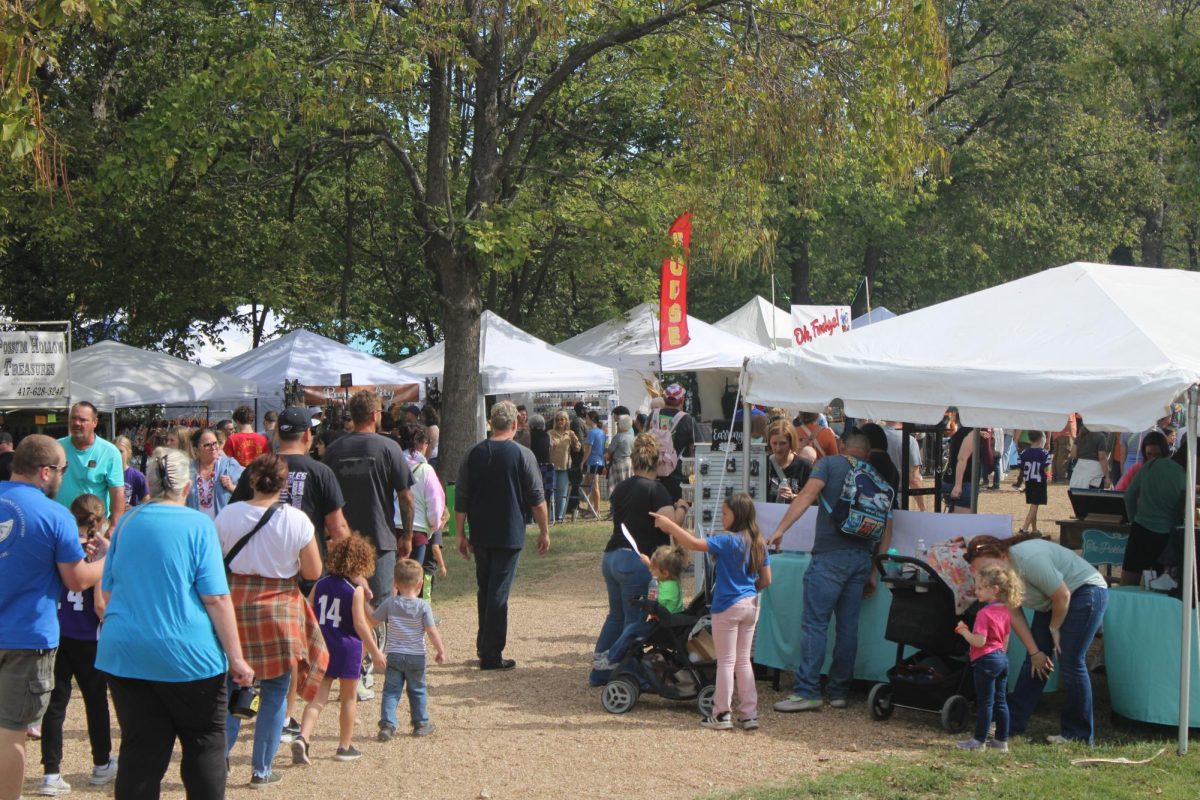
[[1034, 461], [77, 617], [135, 487]]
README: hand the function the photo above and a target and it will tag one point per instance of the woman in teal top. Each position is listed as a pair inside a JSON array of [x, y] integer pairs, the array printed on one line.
[[168, 630], [1154, 503], [1068, 597]]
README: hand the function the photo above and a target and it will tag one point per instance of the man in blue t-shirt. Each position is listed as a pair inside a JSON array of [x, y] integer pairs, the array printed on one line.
[[94, 465], [39, 554], [838, 578]]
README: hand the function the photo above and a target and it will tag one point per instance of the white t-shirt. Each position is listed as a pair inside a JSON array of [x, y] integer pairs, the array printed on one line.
[[273, 552]]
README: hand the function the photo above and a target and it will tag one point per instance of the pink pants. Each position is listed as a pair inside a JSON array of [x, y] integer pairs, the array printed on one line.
[[733, 636]]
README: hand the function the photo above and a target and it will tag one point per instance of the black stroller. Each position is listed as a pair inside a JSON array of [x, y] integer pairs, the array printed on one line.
[[937, 678], [659, 663]]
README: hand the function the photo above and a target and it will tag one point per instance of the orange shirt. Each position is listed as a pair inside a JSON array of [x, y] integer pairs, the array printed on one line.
[[826, 440]]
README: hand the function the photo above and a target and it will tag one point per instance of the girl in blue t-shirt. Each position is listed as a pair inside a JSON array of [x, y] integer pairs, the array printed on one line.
[[742, 569]]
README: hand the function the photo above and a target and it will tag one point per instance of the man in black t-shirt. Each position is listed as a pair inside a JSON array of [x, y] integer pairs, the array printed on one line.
[[374, 476], [497, 481], [6, 456], [311, 486]]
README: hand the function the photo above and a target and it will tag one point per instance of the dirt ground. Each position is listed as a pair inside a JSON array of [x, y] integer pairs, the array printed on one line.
[[539, 731]]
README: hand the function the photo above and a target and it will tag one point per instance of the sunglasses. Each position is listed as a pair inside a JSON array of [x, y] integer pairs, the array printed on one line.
[[56, 467]]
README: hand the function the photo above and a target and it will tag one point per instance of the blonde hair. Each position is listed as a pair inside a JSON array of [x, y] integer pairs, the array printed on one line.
[[782, 427], [670, 559], [644, 454], [408, 572], [183, 435], [1010, 589], [167, 472], [126, 447]]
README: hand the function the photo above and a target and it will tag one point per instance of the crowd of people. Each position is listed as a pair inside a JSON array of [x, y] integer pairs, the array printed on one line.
[[239, 575]]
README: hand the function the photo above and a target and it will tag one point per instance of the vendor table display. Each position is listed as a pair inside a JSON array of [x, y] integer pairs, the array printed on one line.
[[1141, 655]]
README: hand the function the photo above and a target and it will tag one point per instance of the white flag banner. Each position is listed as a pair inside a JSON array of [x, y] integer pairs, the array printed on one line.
[[813, 323], [34, 365]]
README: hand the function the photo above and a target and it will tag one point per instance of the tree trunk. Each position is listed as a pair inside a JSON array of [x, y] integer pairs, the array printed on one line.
[[1152, 237], [801, 293], [872, 257]]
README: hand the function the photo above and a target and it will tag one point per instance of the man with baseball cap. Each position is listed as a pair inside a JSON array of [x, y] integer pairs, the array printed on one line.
[[682, 426]]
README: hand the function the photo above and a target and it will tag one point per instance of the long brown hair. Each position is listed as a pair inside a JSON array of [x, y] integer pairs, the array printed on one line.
[[89, 513], [991, 547], [745, 522]]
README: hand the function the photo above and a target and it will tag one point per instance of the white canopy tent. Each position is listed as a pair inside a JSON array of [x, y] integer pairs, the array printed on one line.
[[759, 321], [513, 362], [136, 377], [1113, 352], [877, 314], [629, 345], [313, 360]]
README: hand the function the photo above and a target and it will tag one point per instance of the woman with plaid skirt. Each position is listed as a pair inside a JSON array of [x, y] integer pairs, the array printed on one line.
[[267, 544]]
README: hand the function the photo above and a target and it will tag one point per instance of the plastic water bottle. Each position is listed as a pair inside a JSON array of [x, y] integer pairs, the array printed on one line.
[[892, 566], [652, 591], [921, 554]]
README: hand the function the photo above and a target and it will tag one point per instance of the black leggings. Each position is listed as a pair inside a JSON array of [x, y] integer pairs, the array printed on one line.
[[76, 659], [152, 715]]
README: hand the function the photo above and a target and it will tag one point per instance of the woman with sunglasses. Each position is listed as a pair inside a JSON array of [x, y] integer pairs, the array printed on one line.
[[214, 475]]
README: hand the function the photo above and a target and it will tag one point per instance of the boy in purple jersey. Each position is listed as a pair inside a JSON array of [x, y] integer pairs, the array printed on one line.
[[79, 616], [340, 603], [1034, 461]]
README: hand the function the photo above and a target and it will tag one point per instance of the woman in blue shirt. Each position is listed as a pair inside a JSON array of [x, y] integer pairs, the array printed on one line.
[[168, 628]]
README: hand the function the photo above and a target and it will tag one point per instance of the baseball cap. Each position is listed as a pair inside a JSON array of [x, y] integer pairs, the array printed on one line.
[[412, 408], [674, 392], [296, 420]]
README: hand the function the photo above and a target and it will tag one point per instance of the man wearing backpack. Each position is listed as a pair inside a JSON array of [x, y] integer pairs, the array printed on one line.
[[682, 429], [838, 578]]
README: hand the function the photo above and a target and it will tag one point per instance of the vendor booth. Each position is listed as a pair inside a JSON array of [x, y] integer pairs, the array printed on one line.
[[629, 345], [760, 322], [136, 377], [318, 364], [1112, 349]]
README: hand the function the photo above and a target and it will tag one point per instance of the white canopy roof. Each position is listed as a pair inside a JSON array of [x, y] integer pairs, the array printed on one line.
[[759, 321], [631, 343], [513, 361], [313, 360], [136, 377], [1117, 344], [877, 314]]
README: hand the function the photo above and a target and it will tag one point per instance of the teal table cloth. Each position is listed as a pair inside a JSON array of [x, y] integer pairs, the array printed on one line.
[[1141, 655], [777, 642]]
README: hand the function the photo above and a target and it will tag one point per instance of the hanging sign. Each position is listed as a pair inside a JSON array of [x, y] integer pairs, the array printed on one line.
[[672, 300], [34, 365], [813, 323], [336, 395]]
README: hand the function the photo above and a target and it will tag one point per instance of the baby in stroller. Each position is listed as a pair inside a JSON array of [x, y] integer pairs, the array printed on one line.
[[665, 565]]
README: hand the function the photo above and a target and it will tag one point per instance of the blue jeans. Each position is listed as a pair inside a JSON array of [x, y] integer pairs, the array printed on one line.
[[404, 671], [833, 584], [268, 725], [495, 569], [560, 493], [991, 694], [626, 578], [383, 581], [621, 647], [1084, 615]]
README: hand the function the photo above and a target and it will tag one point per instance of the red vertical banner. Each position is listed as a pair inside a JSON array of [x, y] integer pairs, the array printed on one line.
[[672, 297]]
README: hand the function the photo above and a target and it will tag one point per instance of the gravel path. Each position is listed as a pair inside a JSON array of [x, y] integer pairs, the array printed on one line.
[[539, 731]]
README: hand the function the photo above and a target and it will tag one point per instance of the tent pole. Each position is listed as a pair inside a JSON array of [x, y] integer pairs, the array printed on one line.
[[1189, 566], [746, 447], [774, 308], [975, 468]]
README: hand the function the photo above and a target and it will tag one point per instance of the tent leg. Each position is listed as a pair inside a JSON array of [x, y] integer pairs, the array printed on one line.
[[746, 448], [1189, 566]]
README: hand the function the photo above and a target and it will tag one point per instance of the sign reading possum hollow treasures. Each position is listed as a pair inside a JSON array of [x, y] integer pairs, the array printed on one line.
[[34, 365]]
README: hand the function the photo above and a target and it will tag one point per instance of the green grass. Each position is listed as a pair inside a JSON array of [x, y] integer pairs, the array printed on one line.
[[1029, 772], [570, 544]]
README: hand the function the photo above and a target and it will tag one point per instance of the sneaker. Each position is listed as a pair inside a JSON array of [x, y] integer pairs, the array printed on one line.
[[386, 732], [288, 733], [422, 729], [798, 703], [368, 678], [270, 779], [364, 693], [104, 774], [300, 752], [350, 753], [504, 663], [996, 745], [839, 702], [718, 722], [1056, 739], [54, 786], [970, 744], [34, 732], [750, 724]]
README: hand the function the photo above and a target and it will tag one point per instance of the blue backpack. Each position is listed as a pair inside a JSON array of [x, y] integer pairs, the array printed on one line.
[[863, 508]]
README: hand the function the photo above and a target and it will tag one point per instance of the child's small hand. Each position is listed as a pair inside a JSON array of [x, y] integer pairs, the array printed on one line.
[[961, 627], [440, 657]]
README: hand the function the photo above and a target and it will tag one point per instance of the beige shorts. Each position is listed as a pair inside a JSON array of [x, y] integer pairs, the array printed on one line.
[[26, 678]]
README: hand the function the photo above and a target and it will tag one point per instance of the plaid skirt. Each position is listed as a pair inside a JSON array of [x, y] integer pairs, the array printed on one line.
[[279, 630], [620, 469]]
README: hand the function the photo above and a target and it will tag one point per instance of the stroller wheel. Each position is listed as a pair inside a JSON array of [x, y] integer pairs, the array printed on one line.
[[955, 714], [704, 699], [619, 695], [879, 702]]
